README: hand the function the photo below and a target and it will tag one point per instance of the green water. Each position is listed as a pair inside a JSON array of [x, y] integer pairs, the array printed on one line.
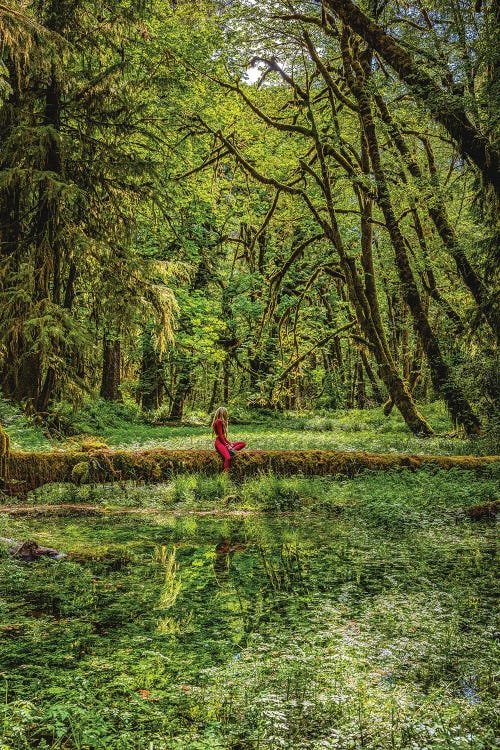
[[335, 630]]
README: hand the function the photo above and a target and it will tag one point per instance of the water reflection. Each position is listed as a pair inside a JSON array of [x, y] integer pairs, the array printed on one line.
[[244, 623]]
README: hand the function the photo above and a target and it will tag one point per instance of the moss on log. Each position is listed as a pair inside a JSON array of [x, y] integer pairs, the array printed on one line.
[[485, 510], [31, 470], [4, 454]]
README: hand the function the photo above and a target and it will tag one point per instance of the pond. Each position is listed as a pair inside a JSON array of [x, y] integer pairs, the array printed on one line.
[[250, 630]]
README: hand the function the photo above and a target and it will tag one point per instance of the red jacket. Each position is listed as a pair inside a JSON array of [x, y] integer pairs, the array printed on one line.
[[219, 431]]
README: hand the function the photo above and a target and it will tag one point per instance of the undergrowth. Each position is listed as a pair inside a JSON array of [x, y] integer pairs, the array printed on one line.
[[24, 433], [125, 426], [391, 497]]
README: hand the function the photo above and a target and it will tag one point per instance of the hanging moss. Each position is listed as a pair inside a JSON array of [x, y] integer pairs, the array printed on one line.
[[30, 470]]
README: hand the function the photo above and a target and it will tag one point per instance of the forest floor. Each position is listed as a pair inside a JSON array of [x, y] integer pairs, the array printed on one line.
[[270, 613], [358, 430], [116, 443]]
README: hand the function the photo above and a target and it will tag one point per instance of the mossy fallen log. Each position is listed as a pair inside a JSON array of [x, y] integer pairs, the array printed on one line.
[[31, 470], [488, 510]]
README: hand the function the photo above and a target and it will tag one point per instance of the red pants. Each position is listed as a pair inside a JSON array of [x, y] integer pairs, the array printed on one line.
[[222, 449]]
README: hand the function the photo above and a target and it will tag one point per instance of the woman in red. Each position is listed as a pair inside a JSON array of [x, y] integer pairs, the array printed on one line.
[[222, 444]]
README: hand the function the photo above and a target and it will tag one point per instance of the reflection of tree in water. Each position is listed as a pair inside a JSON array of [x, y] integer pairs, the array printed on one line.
[[223, 552], [283, 572], [233, 540], [281, 565], [169, 593], [256, 579], [227, 586]]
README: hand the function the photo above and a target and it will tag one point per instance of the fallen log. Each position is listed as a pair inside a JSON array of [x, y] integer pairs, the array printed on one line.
[[31, 470], [489, 510]]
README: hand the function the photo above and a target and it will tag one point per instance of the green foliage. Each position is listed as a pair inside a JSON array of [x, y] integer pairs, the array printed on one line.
[[125, 426], [95, 417], [196, 491], [274, 494], [372, 617]]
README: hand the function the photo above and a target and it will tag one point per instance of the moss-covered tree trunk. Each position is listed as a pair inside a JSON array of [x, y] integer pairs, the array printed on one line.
[[376, 392], [111, 370], [30, 470], [47, 263], [364, 299], [442, 379]]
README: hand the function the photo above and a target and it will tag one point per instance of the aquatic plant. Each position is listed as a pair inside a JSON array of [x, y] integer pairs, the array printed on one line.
[[364, 620]]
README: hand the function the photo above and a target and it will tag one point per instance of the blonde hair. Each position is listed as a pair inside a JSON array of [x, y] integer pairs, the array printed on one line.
[[221, 413]]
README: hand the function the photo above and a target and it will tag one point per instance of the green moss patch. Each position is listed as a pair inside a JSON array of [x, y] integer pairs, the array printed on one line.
[[31, 470]]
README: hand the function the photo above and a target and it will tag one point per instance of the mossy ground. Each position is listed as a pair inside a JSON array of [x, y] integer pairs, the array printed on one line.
[[123, 426], [353, 430]]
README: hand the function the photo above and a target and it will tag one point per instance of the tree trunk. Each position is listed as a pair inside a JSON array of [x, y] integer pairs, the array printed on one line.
[[360, 387], [365, 307], [27, 379], [405, 345], [446, 108], [455, 400], [111, 366], [213, 397], [46, 392], [386, 368], [183, 388], [151, 381], [377, 393], [225, 381], [31, 470]]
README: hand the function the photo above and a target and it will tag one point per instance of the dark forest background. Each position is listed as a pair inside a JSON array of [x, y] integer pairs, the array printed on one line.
[[282, 205]]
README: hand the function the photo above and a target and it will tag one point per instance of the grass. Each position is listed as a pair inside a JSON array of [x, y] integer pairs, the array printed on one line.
[[123, 426], [24, 434], [352, 430]]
